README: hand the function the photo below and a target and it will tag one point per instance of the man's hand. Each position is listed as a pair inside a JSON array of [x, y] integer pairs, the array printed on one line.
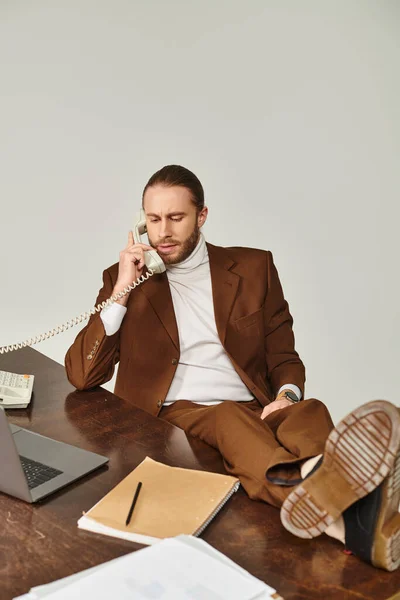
[[131, 263], [276, 405]]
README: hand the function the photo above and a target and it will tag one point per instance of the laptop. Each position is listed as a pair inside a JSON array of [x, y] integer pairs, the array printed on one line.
[[34, 466]]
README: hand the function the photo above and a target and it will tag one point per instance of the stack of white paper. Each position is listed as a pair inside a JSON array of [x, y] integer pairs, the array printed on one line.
[[180, 568]]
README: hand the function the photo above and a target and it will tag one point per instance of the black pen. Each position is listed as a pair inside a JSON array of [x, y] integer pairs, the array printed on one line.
[[135, 497]]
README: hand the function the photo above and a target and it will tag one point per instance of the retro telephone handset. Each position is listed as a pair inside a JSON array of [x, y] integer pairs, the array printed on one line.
[[154, 265], [151, 257]]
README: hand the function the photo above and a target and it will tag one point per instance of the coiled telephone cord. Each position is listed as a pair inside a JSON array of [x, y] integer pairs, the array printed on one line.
[[77, 320]]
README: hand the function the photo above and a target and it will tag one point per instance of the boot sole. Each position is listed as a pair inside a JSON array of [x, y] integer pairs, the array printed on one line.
[[386, 547], [359, 453]]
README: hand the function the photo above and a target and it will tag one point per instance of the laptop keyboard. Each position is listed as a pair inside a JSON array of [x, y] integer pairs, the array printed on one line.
[[37, 473]]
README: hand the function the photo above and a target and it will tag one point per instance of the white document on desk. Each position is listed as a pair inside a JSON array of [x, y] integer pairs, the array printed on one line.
[[216, 555], [181, 568]]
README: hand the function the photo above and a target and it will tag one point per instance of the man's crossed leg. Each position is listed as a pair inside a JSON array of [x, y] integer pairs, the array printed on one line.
[[344, 480]]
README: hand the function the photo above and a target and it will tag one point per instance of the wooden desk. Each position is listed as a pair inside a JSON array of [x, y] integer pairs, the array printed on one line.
[[41, 543]]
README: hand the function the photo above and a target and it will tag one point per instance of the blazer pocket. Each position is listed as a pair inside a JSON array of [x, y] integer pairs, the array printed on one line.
[[254, 318]]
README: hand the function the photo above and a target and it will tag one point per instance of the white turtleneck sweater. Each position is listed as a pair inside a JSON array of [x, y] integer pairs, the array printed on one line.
[[205, 373]]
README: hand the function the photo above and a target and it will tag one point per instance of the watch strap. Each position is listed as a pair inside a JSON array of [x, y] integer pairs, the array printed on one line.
[[289, 395]]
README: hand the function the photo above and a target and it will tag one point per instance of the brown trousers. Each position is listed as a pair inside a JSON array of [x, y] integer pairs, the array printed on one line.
[[265, 455]]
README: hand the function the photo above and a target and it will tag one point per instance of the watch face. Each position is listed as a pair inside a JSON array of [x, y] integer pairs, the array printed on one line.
[[292, 396]]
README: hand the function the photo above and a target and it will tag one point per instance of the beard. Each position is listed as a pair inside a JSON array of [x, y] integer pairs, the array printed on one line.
[[184, 249]]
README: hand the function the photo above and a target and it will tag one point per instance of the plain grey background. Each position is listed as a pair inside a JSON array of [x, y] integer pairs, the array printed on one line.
[[287, 111]]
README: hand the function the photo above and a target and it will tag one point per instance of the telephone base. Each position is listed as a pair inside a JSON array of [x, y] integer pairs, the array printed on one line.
[[7, 405], [15, 389]]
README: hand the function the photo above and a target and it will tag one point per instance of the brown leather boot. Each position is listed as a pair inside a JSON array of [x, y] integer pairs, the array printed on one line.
[[372, 525], [360, 453]]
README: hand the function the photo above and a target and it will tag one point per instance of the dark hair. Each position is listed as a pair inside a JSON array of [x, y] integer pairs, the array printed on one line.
[[176, 175]]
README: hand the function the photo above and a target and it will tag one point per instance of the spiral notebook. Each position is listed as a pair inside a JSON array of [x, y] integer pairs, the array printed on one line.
[[172, 501]]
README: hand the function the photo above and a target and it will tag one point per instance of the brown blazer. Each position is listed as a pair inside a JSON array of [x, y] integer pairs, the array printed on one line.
[[253, 322]]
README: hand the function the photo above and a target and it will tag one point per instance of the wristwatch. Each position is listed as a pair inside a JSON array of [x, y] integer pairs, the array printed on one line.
[[291, 396]]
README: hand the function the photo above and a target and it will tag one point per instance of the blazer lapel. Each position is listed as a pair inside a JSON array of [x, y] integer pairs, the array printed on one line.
[[224, 287], [157, 291]]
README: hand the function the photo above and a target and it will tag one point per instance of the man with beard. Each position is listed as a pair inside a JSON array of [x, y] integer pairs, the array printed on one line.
[[208, 346]]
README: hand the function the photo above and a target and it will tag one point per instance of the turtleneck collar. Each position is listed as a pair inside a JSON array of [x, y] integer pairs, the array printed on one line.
[[198, 257]]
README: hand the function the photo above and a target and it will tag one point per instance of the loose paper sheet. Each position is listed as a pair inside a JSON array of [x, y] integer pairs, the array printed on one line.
[[169, 570]]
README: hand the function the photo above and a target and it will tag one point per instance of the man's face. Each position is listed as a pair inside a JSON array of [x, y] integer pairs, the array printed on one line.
[[173, 223]]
